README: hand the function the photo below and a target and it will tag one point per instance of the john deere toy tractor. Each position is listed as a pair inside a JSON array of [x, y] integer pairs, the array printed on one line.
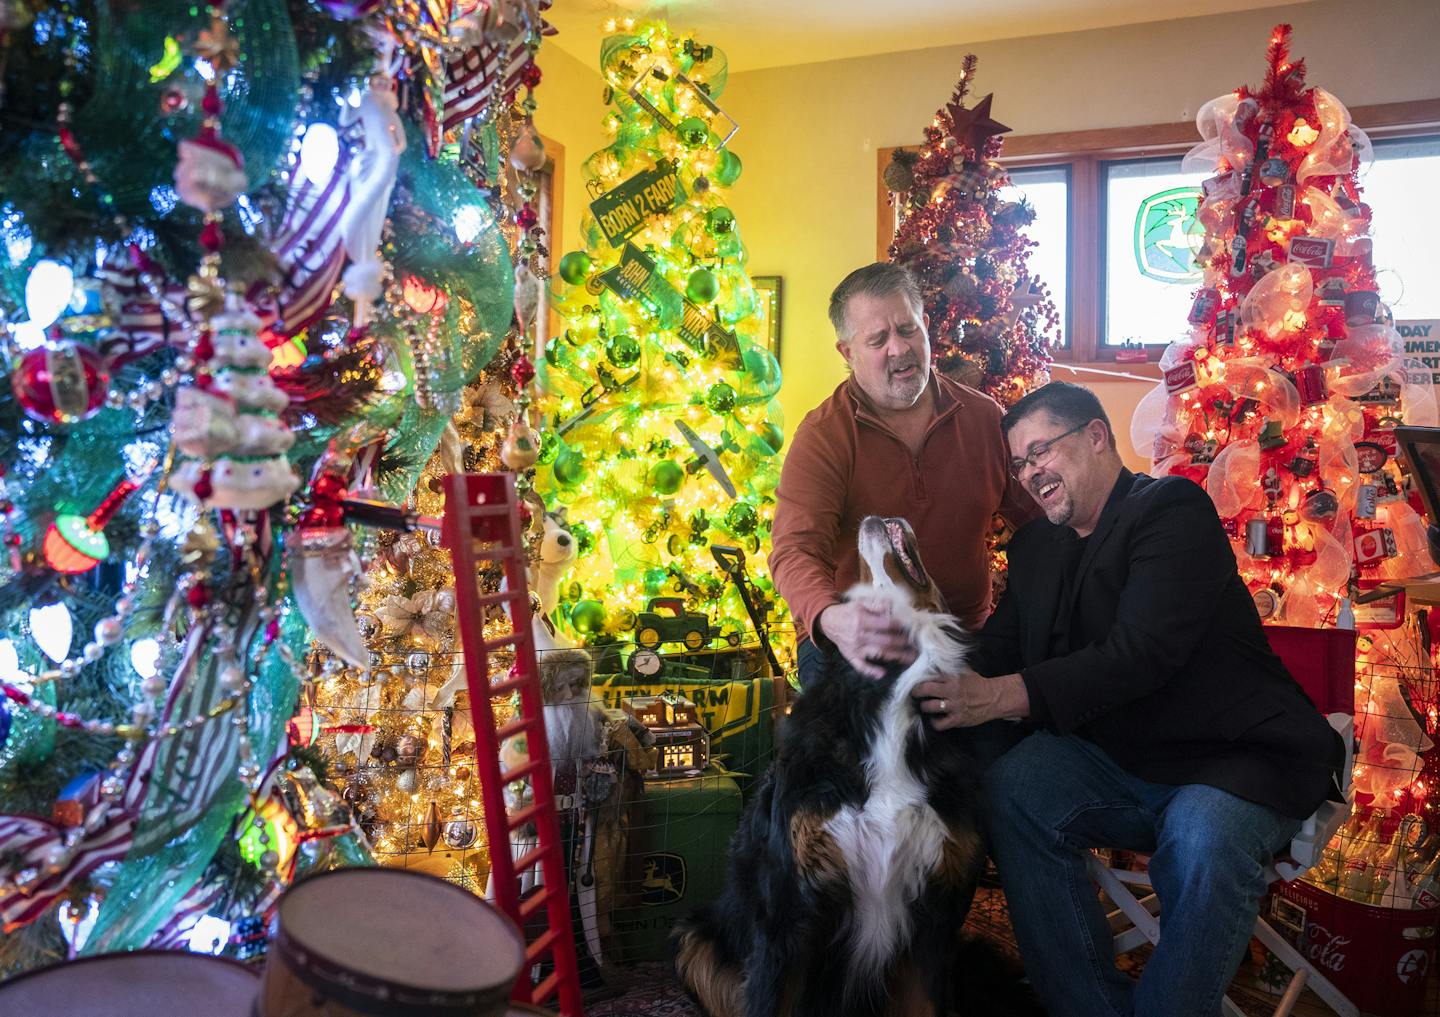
[[679, 626]]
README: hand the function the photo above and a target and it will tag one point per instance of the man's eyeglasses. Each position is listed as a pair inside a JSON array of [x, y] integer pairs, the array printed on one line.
[[1040, 454]]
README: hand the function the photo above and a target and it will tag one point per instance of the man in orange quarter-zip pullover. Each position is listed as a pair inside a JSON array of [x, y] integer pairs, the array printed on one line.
[[895, 439]]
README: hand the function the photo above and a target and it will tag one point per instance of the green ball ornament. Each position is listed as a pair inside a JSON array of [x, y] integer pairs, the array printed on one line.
[[584, 539], [693, 132], [549, 447], [623, 350], [772, 435], [554, 352], [588, 616], [720, 398], [742, 518], [702, 287], [760, 365], [569, 467], [666, 477], [728, 169], [575, 268], [720, 221], [655, 581]]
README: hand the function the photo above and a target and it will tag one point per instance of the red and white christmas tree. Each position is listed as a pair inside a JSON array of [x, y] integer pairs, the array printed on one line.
[[992, 324], [1283, 398]]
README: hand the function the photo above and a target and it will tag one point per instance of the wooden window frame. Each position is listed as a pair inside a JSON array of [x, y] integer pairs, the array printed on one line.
[[1083, 153]]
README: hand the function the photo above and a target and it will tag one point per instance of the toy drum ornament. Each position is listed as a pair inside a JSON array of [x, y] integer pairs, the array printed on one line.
[[388, 943], [146, 983]]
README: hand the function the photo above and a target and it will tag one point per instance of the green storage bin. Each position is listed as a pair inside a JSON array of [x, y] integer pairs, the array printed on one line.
[[679, 840]]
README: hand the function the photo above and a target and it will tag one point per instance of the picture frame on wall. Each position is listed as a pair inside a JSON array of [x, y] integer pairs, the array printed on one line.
[[768, 292]]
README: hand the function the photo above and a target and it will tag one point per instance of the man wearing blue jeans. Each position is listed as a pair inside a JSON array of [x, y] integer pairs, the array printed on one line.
[[1162, 721]]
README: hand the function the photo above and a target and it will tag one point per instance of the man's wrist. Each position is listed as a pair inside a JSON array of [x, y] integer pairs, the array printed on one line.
[[1014, 702], [817, 629]]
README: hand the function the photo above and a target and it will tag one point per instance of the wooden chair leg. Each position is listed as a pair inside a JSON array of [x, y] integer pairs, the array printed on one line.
[[1315, 982], [1134, 899]]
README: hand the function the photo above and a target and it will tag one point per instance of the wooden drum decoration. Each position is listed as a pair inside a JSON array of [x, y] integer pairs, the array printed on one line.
[[147, 983], [388, 943]]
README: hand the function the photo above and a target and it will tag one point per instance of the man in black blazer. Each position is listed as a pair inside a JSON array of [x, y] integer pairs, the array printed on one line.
[[1163, 721]]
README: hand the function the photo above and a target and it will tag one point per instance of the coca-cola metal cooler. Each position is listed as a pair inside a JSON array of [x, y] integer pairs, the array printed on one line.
[[1378, 957]]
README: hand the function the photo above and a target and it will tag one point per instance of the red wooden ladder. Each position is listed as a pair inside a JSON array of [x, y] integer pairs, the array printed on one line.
[[482, 524]]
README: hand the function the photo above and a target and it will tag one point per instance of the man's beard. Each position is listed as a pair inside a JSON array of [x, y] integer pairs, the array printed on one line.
[[1060, 513], [911, 387]]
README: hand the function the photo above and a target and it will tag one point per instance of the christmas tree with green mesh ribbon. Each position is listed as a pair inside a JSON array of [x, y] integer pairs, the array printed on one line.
[[662, 436]]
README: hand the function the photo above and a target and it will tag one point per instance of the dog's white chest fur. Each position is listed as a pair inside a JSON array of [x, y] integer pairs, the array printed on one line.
[[894, 841]]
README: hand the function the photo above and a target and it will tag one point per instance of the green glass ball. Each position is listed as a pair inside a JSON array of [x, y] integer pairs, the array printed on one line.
[[622, 350], [569, 467], [666, 477], [588, 616], [720, 398], [702, 286], [554, 352], [720, 221], [742, 518], [549, 447], [584, 539], [728, 170], [693, 132], [575, 268]]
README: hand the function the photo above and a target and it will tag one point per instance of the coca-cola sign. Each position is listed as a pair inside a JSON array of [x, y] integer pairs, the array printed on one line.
[[1313, 252], [1325, 948]]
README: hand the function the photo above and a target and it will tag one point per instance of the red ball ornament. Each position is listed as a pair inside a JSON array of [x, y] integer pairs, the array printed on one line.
[[530, 76], [61, 383], [526, 217], [523, 372]]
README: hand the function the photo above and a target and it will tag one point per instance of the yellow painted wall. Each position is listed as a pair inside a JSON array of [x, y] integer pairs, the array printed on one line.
[[569, 110], [809, 132]]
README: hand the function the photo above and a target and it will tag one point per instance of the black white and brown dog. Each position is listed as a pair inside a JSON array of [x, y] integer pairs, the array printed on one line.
[[857, 858]]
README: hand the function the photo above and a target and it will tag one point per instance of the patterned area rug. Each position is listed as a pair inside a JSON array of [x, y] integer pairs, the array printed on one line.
[[650, 990]]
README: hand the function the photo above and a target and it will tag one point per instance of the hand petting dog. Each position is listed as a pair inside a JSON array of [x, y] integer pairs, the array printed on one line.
[[867, 635], [967, 700]]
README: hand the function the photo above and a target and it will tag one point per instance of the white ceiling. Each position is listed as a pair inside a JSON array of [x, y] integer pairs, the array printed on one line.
[[777, 33]]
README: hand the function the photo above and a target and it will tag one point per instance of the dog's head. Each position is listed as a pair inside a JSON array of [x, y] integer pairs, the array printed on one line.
[[890, 559]]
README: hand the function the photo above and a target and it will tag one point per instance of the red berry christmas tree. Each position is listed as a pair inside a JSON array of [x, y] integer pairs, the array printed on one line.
[[991, 323]]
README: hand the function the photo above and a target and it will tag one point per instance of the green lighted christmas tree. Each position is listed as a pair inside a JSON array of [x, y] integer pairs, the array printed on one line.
[[662, 435]]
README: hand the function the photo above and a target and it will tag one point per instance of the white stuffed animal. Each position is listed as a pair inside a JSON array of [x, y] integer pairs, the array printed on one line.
[[558, 551]]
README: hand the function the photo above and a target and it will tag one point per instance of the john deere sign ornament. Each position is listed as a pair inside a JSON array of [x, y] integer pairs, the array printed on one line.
[[1167, 235]]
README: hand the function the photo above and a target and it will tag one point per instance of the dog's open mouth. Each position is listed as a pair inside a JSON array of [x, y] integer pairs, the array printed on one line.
[[905, 554]]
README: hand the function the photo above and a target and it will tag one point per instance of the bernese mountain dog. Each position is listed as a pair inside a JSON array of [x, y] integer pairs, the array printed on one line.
[[858, 854]]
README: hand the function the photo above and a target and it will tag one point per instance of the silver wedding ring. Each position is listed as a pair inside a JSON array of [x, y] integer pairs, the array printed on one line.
[[943, 707]]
